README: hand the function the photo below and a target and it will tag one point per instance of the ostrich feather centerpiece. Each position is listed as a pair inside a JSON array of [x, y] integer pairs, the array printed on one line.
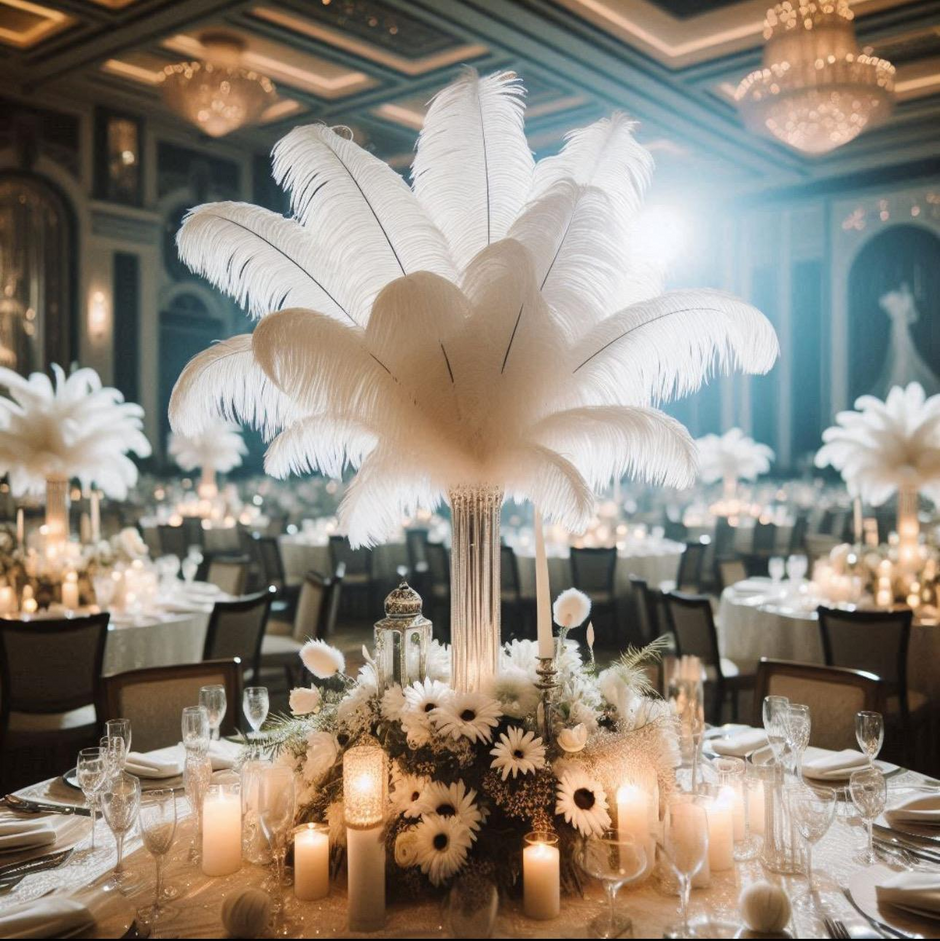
[[216, 448], [888, 447], [486, 331], [73, 428], [731, 457]]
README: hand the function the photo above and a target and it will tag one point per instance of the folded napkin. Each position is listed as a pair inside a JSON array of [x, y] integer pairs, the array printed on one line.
[[739, 744], [149, 766], [922, 811], [916, 892], [51, 917], [835, 766], [25, 834], [224, 755]]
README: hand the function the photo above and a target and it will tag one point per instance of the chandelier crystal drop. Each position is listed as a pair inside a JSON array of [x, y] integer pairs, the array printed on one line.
[[816, 90]]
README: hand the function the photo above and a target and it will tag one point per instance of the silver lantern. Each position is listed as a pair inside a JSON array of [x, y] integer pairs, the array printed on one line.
[[402, 639]]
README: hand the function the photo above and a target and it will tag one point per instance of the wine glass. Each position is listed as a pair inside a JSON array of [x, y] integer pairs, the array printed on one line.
[[213, 698], [119, 728], [197, 774], [91, 770], [471, 908], [869, 793], [255, 704], [813, 809], [190, 566], [797, 566], [684, 847], [776, 568], [120, 803], [196, 729], [799, 725], [157, 829], [276, 818], [870, 733], [775, 711], [115, 753], [616, 859]]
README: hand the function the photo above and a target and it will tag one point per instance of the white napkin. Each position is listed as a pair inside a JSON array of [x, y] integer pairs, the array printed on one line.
[[148, 766], [923, 811], [916, 892], [53, 917], [25, 834], [224, 755], [835, 766], [739, 744]]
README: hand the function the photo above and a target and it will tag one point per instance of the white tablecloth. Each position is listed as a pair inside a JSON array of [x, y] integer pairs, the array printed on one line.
[[300, 555], [154, 641]]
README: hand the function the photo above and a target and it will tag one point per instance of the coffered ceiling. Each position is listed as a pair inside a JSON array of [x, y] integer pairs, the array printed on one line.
[[373, 65]]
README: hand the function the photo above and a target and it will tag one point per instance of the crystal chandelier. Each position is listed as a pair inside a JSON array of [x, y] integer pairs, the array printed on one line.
[[816, 90], [217, 95]]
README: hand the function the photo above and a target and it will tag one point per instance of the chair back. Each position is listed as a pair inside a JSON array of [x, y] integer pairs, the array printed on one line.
[[229, 574], [236, 629], [592, 570], [154, 698], [724, 538], [689, 578], [152, 539], [509, 574], [730, 572], [833, 695], [438, 564], [416, 540], [330, 612], [692, 623], [271, 564], [357, 561], [647, 615], [311, 605], [51, 666], [173, 541], [798, 535], [765, 538]]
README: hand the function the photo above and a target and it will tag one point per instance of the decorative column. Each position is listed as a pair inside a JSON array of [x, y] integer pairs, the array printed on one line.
[[474, 586], [57, 509]]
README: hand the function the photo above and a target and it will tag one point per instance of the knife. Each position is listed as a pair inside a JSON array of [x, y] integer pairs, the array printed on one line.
[[49, 861], [923, 844], [40, 807]]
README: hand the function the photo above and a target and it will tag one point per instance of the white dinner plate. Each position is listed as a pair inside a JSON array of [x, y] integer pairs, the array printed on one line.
[[862, 886], [763, 756]]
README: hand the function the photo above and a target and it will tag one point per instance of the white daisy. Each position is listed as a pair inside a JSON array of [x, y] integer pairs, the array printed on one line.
[[439, 661], [322, 750], [407, 793], [393, 701], [441, 845], [581, 800], [421, 699], [452, 800], [518, 751], [515, 692], [521, 654], [321, 659], [304, 700], [470, 715]]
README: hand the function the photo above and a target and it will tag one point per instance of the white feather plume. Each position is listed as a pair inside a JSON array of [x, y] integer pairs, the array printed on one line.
[[885, 445], [732, 456], [74, 427], [218, 447]]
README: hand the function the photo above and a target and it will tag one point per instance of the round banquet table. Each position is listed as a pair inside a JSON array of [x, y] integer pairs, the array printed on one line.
[[199, 905], [755, 622], [301, 554]]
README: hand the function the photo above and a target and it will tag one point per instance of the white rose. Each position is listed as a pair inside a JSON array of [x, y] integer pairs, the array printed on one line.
[[573, 739], [304, 700], [406, 848]]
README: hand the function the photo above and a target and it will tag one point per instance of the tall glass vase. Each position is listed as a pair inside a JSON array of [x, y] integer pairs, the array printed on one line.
[[474, 586], [57, 509], [908, 523]]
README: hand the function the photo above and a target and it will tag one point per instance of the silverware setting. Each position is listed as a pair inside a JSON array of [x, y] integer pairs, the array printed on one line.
[[920, 846], [22, 806], [886, 930], [38, 864], [836, 928]]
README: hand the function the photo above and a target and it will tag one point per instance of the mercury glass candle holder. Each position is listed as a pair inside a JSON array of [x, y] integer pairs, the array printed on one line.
[[402, 639], [365, 786]]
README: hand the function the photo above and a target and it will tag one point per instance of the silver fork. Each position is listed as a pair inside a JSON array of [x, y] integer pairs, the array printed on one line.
[[836, 928]]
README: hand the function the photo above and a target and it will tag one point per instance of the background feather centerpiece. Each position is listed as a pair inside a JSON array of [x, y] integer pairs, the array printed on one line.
[[487, 331], [51, 433], [217, 448], [731, 457]]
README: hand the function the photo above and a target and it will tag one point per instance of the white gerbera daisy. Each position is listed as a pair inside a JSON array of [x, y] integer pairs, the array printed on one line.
[[421, 699], [581, 800], [452, 800], [515, 692], [441, 845], [321, 659], [407, 793], [393, 701], [468, 715], [518, 751]]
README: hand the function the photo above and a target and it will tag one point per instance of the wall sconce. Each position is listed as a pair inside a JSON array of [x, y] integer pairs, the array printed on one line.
[[98, 315]]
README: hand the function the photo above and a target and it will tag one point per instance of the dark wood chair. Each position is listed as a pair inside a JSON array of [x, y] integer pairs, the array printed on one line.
[[229, 573], [438, 604], [730, 572], [512, 613], [691, 565], [236, 629], [593, 571], [358, 564]]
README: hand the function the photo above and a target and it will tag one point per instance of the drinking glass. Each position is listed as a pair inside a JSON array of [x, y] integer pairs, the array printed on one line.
[[276, 818], [157, 829], [774, 713], [190, 567], [616, 859], [197, 773], [213, 698], [255, 705], [684, 847], [471, 907], [869, 793], [813, 809], [120, 803], [196, 729], [116, 754], [797, 566], [91, 770], [119, 728], [870, 733], [776, 568], [799, 725]]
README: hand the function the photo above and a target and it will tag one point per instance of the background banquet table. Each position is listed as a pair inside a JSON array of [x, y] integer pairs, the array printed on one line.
[[156, 639], [651, 908], [301, 554]]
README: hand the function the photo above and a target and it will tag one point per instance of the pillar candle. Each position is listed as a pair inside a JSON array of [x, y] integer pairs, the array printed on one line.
[[633, 820], [857, 519], [70, 592], [95, 516], [312, 862], [20, 527], [720, 834], [7, 600], [221, 831], [365, 864], [29, 604], [543, 607], [541, 877]]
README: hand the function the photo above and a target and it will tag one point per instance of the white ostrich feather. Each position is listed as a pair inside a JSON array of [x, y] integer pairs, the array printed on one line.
[[512, 371], [887, 445], [74, 427], [732, 456], [473, 167], [218, 447]]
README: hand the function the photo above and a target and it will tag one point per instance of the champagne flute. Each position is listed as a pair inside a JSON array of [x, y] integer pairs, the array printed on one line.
[[616, 859], [774, 714], [157, 829], [255, 704], [91, 770], [196, 729], [813, 808], [119, 728], [684, 847], [870, 733], [197, 774], [276, 818], [120, 802], [213, 698], [116, 754], [799, 725], [869, 794]]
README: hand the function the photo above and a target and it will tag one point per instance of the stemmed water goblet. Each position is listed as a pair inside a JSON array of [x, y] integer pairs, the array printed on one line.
[[157, 829], [213, 699], [869, 794], [799, 726], [774, 712], [91, 770], [119, 728], [255, 704], [776, 568], [797, 566], [120, 803], [813, 809], [870, 734], [684, 847], [616, 859], [275, 794]]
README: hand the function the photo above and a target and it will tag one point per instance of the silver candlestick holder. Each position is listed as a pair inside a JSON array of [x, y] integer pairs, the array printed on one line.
[[547, 684]]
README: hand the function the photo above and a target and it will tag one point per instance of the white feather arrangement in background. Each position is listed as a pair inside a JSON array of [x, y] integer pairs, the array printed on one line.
[[73, 428], [489, 325], [884, 447], [731, 457], [218, 447]]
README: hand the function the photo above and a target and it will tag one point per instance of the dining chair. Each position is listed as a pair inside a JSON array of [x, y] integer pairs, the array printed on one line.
[[439, 584], [693, 626], [724, 538], [173, 541], [229, 574], [416, 539], [834, 695], [593, 571], [512, 616], [236, 629], [647, 608], [153, 698], [273, 574], [730, 572], [797, 544], [49, 674], [689, 578], [359, 574]]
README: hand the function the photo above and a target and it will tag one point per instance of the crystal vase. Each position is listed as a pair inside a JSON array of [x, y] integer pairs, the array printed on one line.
[[474, 586], [57, 509]]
